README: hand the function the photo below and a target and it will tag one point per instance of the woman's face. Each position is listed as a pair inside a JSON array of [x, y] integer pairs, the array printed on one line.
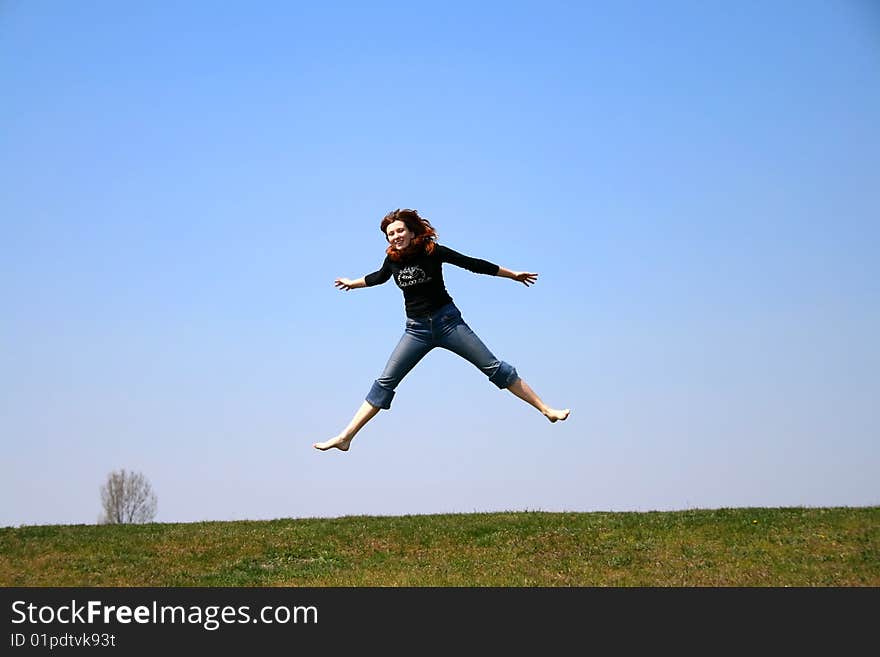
[[399, 236]]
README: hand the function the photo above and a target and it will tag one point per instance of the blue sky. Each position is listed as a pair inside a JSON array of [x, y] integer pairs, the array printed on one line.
[[694, 182]]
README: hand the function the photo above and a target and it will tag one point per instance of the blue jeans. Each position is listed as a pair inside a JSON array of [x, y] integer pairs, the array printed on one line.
[[444, 328]]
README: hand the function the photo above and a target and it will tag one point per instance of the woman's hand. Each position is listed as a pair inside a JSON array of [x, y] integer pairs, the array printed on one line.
[[525, 277], [348, 284]]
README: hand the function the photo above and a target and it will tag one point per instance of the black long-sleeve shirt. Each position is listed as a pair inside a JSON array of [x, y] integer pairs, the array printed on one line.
[[421, 278]]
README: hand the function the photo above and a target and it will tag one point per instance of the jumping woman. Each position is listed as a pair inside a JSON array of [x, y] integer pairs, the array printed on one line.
[[415, 260]]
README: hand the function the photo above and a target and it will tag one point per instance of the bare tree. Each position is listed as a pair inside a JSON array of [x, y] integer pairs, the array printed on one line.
[[127, 497]]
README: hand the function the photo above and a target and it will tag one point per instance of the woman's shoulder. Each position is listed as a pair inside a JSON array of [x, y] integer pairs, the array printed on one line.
[[446, 252]]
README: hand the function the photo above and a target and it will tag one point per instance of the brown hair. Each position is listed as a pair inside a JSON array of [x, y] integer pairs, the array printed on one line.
[[424, 235]]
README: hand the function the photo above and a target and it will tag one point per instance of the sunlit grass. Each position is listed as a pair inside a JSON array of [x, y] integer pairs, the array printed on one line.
[[722, 547]]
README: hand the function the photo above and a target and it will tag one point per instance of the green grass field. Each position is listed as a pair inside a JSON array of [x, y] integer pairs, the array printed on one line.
[[722, 547]]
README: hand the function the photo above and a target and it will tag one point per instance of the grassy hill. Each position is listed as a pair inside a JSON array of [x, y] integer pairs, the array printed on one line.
[[721, 547]]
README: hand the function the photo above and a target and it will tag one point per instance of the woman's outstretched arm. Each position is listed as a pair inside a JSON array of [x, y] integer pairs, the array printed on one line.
[[525, 277], [376, 278], [479, 266]]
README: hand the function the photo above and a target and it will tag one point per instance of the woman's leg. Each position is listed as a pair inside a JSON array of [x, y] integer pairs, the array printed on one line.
[[460, 339], [364, 414], [409, 351], [522, 390]]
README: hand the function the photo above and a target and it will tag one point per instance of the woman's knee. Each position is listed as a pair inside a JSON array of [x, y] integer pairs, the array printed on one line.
[[504, 375], [380, 395]]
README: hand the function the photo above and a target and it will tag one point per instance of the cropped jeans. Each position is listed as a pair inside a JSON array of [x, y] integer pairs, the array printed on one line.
[[444, 328]]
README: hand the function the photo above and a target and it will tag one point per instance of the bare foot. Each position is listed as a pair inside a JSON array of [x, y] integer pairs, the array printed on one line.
[[341, 443], [553, 415]]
